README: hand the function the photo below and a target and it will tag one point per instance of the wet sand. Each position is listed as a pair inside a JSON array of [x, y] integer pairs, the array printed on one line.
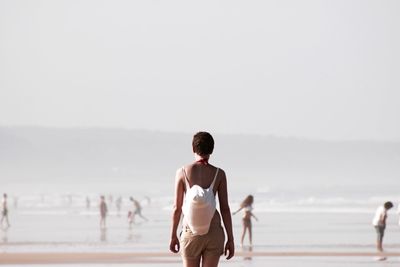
[[159, 257]]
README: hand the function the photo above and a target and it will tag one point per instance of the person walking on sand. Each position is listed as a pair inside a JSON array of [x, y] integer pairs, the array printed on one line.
[[247, 206], [103, 212], [196, 186], [4, 212], [379, 222]]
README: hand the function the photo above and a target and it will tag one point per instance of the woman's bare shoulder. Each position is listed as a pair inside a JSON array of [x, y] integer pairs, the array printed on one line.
[[179, 172], [221, 173], [184, 169], [221, 177], [187, 166]]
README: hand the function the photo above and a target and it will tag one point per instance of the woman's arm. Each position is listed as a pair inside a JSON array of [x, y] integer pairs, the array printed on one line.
[[383, 218], [237, 211], [177, 211], [226, 215], [254, 216]]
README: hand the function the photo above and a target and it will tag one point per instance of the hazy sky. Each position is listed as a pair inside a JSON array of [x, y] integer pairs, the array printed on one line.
[[315, 69]]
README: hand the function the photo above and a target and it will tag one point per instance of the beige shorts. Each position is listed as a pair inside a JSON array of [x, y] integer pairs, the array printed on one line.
[[210, 244]]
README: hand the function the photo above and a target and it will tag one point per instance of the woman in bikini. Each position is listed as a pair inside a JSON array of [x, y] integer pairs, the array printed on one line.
[[247, 206], [201, 241]]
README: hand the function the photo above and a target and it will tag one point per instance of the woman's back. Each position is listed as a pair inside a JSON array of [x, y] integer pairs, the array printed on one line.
[[202, 236], [202, 175]]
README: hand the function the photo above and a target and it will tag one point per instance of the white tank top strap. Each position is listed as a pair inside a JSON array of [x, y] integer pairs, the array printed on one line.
[[186, 179], [215, 178]]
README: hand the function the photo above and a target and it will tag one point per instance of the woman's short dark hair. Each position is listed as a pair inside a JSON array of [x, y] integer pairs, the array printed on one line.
[[388, 205], [203, 143]]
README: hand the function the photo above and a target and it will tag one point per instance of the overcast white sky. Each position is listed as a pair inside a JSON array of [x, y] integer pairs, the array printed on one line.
[[315, 69]]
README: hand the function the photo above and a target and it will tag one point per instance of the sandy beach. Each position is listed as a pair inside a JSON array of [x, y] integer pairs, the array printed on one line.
[[161, 257]]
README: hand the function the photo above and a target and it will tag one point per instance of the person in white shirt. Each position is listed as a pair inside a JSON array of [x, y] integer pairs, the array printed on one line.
[[379, 222]]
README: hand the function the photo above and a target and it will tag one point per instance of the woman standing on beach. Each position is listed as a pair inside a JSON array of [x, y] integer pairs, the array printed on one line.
[[202, 238], [247, 206]]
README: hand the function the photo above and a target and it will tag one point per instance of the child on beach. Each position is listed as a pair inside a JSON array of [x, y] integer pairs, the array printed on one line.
[[247, 206], [103, 212], [379, 222], [202, 238], [4, 211]]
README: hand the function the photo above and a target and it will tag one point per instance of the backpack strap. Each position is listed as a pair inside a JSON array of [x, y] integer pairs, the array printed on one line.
[[215, 178], [186, 179]]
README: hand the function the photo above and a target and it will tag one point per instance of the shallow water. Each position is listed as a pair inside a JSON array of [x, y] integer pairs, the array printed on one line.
[[72, 227]]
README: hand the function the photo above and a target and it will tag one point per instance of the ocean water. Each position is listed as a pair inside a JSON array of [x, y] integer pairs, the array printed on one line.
[[61, 222]]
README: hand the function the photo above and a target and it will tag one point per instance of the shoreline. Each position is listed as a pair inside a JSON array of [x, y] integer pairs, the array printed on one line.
[[159, 257]]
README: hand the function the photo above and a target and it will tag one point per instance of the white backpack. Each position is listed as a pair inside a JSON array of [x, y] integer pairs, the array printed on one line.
[[199, 206]]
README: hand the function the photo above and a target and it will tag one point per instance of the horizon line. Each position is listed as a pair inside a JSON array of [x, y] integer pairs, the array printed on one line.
[[262, 135]]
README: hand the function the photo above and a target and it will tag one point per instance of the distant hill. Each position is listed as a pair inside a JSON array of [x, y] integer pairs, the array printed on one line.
[[72, 154]]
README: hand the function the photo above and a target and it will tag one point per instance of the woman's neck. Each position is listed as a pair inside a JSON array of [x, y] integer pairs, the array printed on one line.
[[201, 159]]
